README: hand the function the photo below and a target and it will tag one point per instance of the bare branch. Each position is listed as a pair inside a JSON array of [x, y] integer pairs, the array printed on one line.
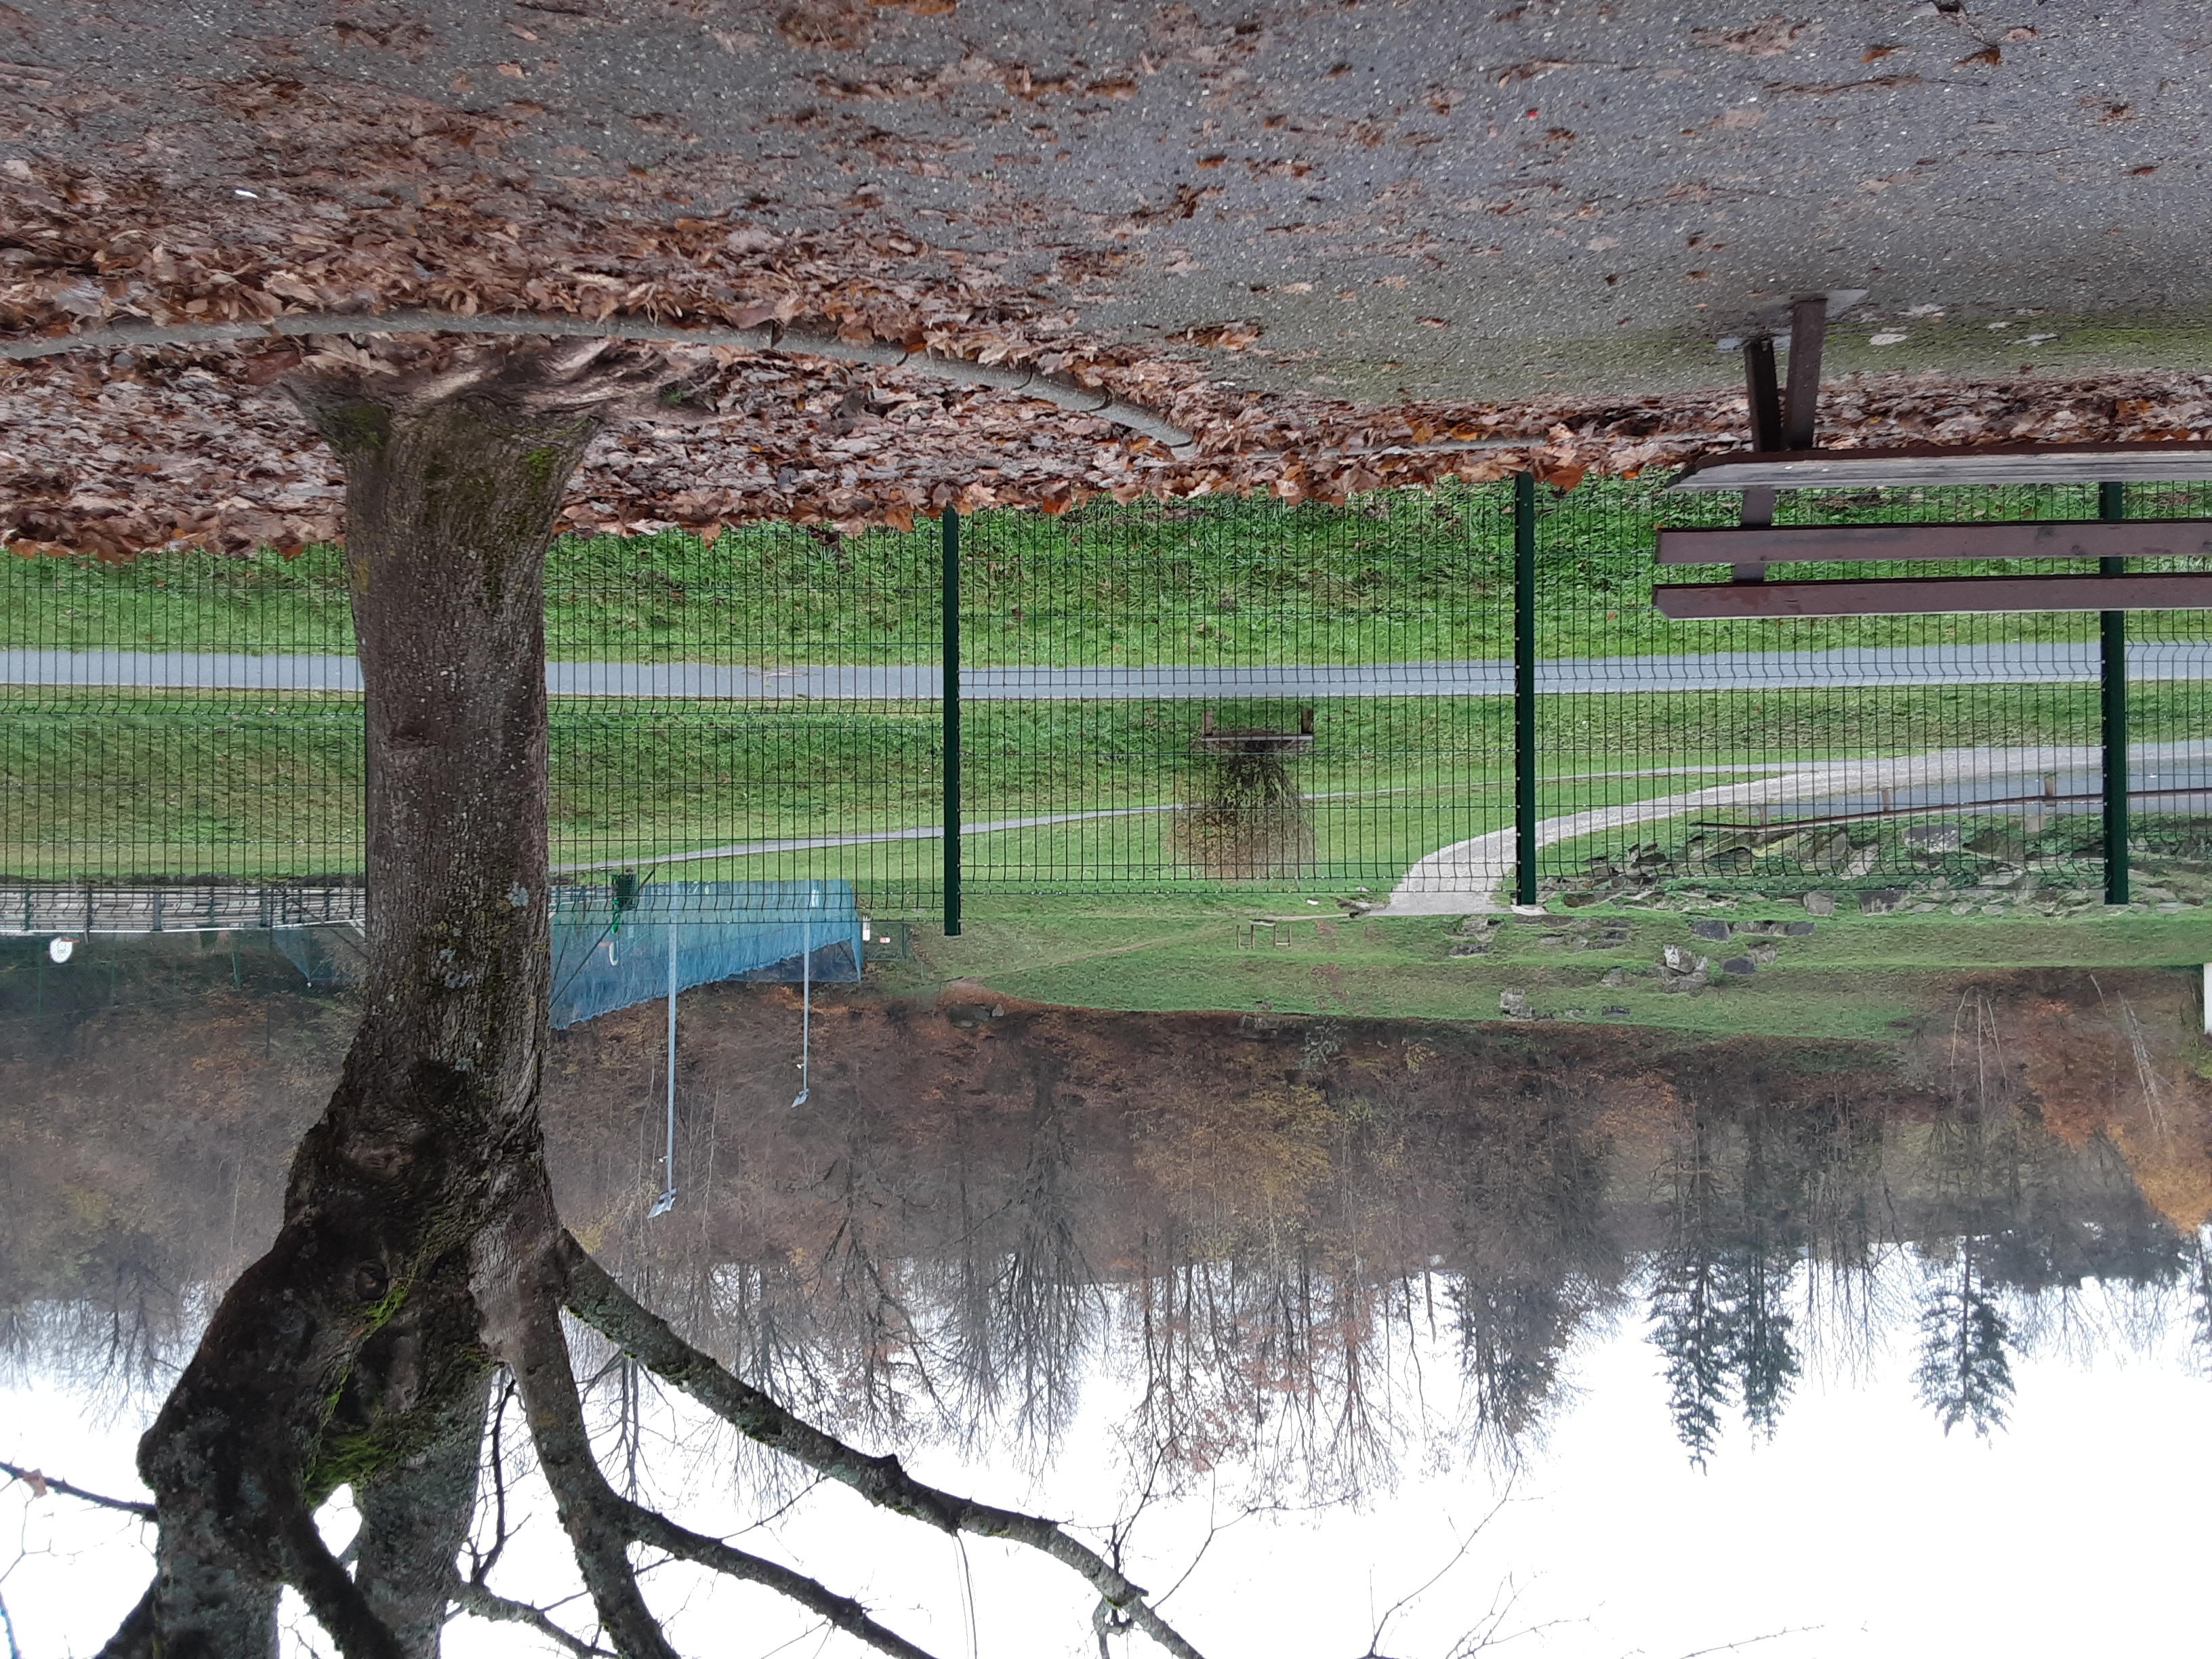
[[657, 1530], [42, 1483], [595, 1297], [496, 1460], [1063, 390], [336, 1602], [1752, 1641], [474, 1598], [518, 1279], [601, 1524], [1375, 1642]]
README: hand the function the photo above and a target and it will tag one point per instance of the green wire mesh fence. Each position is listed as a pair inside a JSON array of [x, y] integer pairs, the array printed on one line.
[[1204, 696]]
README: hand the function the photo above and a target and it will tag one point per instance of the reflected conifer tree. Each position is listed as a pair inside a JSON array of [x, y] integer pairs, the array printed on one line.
[[1761, 1270], [1693, 1306], [1984, 1175], [1965, 1373], [1533, 1264]]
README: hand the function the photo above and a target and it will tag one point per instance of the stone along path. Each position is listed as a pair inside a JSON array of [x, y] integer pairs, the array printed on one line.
[[1467, 876]]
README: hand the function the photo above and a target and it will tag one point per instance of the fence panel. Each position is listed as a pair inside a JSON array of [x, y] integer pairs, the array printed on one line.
[[1199, 697], [1796, 754], [181, 718], [1194, 696], [757, 708]]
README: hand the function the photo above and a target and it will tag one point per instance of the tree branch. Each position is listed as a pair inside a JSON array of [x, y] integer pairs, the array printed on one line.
[[651, 1526], [1063, 390], [336, 1603], [41, 1484], [471, 1597], [601, 1523], [518, 1277], [595, 1297]]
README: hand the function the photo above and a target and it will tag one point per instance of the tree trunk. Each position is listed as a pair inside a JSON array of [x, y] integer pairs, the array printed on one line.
[[414, 1518], [348, 1353], [420, 1239]]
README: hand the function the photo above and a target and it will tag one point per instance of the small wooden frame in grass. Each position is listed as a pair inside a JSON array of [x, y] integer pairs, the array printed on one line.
[[1243, 817]]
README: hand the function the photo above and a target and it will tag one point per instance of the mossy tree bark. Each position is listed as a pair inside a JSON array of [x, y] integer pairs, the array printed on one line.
[[348, 1353]]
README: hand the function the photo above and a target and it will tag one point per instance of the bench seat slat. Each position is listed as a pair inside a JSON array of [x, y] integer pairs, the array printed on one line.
[[1910, 596], [2169, 461], [2093, 538]]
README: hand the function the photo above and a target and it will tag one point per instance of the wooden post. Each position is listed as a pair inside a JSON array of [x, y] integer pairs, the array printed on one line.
[[1524, 687], [2112, 678], [1763, 392], [1808, 332], [949, 589], [1765, 401]]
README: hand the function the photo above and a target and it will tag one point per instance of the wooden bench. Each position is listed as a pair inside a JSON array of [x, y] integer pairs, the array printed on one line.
[[1784, 454], [1751, 549]]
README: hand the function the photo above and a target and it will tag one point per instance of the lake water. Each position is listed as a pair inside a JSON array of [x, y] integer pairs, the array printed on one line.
[[1368, 1337]]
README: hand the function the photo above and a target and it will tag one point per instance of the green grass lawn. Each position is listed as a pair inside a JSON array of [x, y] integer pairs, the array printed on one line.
[[1397, 576], [1868, 977], [187, 784]]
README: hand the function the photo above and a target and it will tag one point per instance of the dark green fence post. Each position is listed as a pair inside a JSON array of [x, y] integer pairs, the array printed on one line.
[[2113, 681], [948, 590], [1524, 687]]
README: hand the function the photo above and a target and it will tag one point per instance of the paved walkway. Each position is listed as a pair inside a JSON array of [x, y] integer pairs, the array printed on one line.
[[1468, 876], [1462, 879], [1961, 665]]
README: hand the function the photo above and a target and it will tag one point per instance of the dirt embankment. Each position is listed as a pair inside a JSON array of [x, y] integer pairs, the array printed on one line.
[[147, 1112]]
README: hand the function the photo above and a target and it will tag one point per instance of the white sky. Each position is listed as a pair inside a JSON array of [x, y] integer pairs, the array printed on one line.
[[1861, 1529]]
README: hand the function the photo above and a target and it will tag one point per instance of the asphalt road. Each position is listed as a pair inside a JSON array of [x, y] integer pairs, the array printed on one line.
[[1403, 200], [1967, 665]]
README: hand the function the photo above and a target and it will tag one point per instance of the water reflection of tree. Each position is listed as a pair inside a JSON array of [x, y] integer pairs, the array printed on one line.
[[1734, 1191], [1691, 1325], [1965, 1373], [2015, 1223], [1982, 1168], [1272, 1254], [1532, 1264], [1022, 1304], [1225, 1298], [1762, 1267]]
